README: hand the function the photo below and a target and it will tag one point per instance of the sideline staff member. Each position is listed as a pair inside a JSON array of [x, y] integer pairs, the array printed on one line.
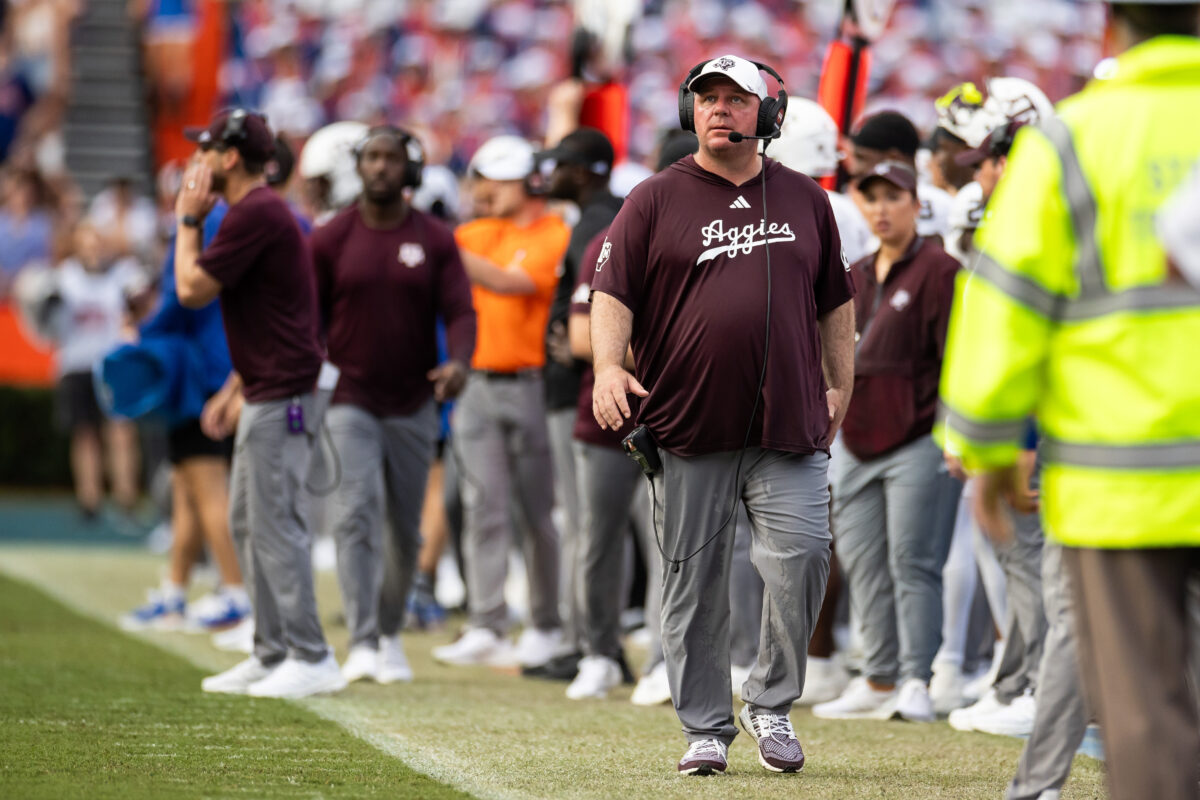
[[260, 266], [684, 277], [1072, 311], [385, 273]]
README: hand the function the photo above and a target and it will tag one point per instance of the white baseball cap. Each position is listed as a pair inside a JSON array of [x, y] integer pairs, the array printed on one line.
[[738, 70], [504, 158]]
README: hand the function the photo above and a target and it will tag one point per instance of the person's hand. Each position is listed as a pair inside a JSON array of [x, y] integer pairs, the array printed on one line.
[[566, 98], [837, 402], [954, 466], [195, 196], [610, 404], [448, 380], [558, 344], [1025, 499], [212, 417], [992, 492]]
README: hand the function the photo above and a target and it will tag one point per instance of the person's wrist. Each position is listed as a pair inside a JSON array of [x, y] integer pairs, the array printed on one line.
[[188, 220]]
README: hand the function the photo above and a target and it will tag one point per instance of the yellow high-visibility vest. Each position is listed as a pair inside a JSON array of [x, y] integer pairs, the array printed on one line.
[[1069, 314]]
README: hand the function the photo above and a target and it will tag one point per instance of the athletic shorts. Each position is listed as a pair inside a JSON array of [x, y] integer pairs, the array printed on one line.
[[188, 441], [75, 402]]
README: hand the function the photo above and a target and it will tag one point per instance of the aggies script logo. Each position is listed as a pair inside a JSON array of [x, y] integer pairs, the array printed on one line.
[[741, 240]]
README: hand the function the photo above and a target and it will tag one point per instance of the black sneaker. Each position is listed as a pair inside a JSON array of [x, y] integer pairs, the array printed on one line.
[[559, 668]]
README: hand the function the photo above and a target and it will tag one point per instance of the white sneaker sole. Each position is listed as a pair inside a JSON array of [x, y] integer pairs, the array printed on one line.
[[329, 687], [881, 714]]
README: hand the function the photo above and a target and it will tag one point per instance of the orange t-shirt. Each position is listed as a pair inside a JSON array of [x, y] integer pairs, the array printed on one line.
[[512, 327]]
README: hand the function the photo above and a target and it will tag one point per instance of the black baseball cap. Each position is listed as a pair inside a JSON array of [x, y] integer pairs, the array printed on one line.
[[887, 130], [246, 131], [894, 172], [586, 146]]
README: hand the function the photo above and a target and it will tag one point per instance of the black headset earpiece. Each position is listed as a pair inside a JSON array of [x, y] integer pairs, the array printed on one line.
[[771, 111], [414, 152]]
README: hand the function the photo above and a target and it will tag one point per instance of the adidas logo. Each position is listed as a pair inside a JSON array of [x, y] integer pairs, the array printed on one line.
[[739, 203]]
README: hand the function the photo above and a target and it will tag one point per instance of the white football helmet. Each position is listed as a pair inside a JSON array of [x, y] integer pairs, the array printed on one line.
[[961, 113], [1017, 100], [329, 153], [808, 141]]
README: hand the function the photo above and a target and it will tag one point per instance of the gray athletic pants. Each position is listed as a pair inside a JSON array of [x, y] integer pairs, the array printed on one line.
[[892, 550], [384, 465], [609, 484], [573, 601], [270, 529], [504, 450], [787, 498], [1021, 560], [1061, 718], [745, 597]]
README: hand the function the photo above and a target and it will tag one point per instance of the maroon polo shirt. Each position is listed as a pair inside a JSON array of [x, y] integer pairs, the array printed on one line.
[[268, 297], [381, 293], [687, 255], [901, 336], [586, 427]]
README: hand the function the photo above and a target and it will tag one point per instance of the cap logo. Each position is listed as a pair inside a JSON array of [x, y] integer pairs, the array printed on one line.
[[724, 63]]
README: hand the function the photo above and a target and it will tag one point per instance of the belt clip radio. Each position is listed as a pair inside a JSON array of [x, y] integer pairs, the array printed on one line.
[[640, 446]]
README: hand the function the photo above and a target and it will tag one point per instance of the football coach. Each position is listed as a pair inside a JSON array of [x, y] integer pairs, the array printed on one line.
[[740, 401]]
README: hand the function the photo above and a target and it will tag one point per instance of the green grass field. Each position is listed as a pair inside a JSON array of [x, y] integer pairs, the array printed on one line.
[[88, 712]]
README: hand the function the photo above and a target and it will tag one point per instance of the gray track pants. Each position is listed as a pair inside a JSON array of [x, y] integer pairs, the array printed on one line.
[[787, 497], [572, 600], [888, 542], [1025, 636], [270, 529], [745, 597], [1061, 718], [504, 450], [610, 487], [384, 466]]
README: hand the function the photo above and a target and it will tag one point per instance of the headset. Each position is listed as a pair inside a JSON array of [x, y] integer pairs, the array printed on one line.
[[414, 152], [770, 112], [1000, 141], [235, 126]]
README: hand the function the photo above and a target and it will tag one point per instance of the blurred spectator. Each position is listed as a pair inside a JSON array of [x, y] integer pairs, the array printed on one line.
[[26, 226], [94, 289], [127, 221], [168, 32]]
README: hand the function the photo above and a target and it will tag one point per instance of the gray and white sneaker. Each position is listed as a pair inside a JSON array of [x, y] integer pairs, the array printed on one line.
[[705, 757], [295, 678], [237, 679], [778, 748]]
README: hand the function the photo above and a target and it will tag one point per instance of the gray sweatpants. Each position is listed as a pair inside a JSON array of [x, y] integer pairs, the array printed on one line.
[[888, 542], [1061, 718], [609, 484], [745, 597], [384, 465], [787, 497], [504, 450], [560, 424], [270, 529]]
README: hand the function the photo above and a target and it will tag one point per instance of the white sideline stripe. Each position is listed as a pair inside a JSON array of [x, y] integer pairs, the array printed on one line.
[[326, 708]]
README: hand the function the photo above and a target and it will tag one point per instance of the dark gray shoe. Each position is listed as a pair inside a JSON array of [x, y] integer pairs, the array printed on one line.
[[778, 748], [705, 757]]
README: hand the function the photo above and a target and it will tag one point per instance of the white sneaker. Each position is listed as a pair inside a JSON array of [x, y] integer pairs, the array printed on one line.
[[238, 639], [946, 687], [393, 664], [824, 679], [1050, 794], [597, 676], [475, 646], [738, 676], [535, 647], [1014, 719], [237, 679], [913, 703], [295, 678], [980, 684], [362, 663], [653, 689], [859, 701], [963, 719]]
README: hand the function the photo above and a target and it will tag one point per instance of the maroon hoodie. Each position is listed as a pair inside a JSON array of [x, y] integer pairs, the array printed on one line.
[[688, 255]]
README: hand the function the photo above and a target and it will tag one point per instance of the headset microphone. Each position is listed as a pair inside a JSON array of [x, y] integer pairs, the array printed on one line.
[[736, 137]]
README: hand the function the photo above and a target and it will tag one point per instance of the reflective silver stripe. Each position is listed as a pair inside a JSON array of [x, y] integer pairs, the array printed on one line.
[[1166, 455], [1001, 432], [1143, 299], [1083, 208], [1020, 288]]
